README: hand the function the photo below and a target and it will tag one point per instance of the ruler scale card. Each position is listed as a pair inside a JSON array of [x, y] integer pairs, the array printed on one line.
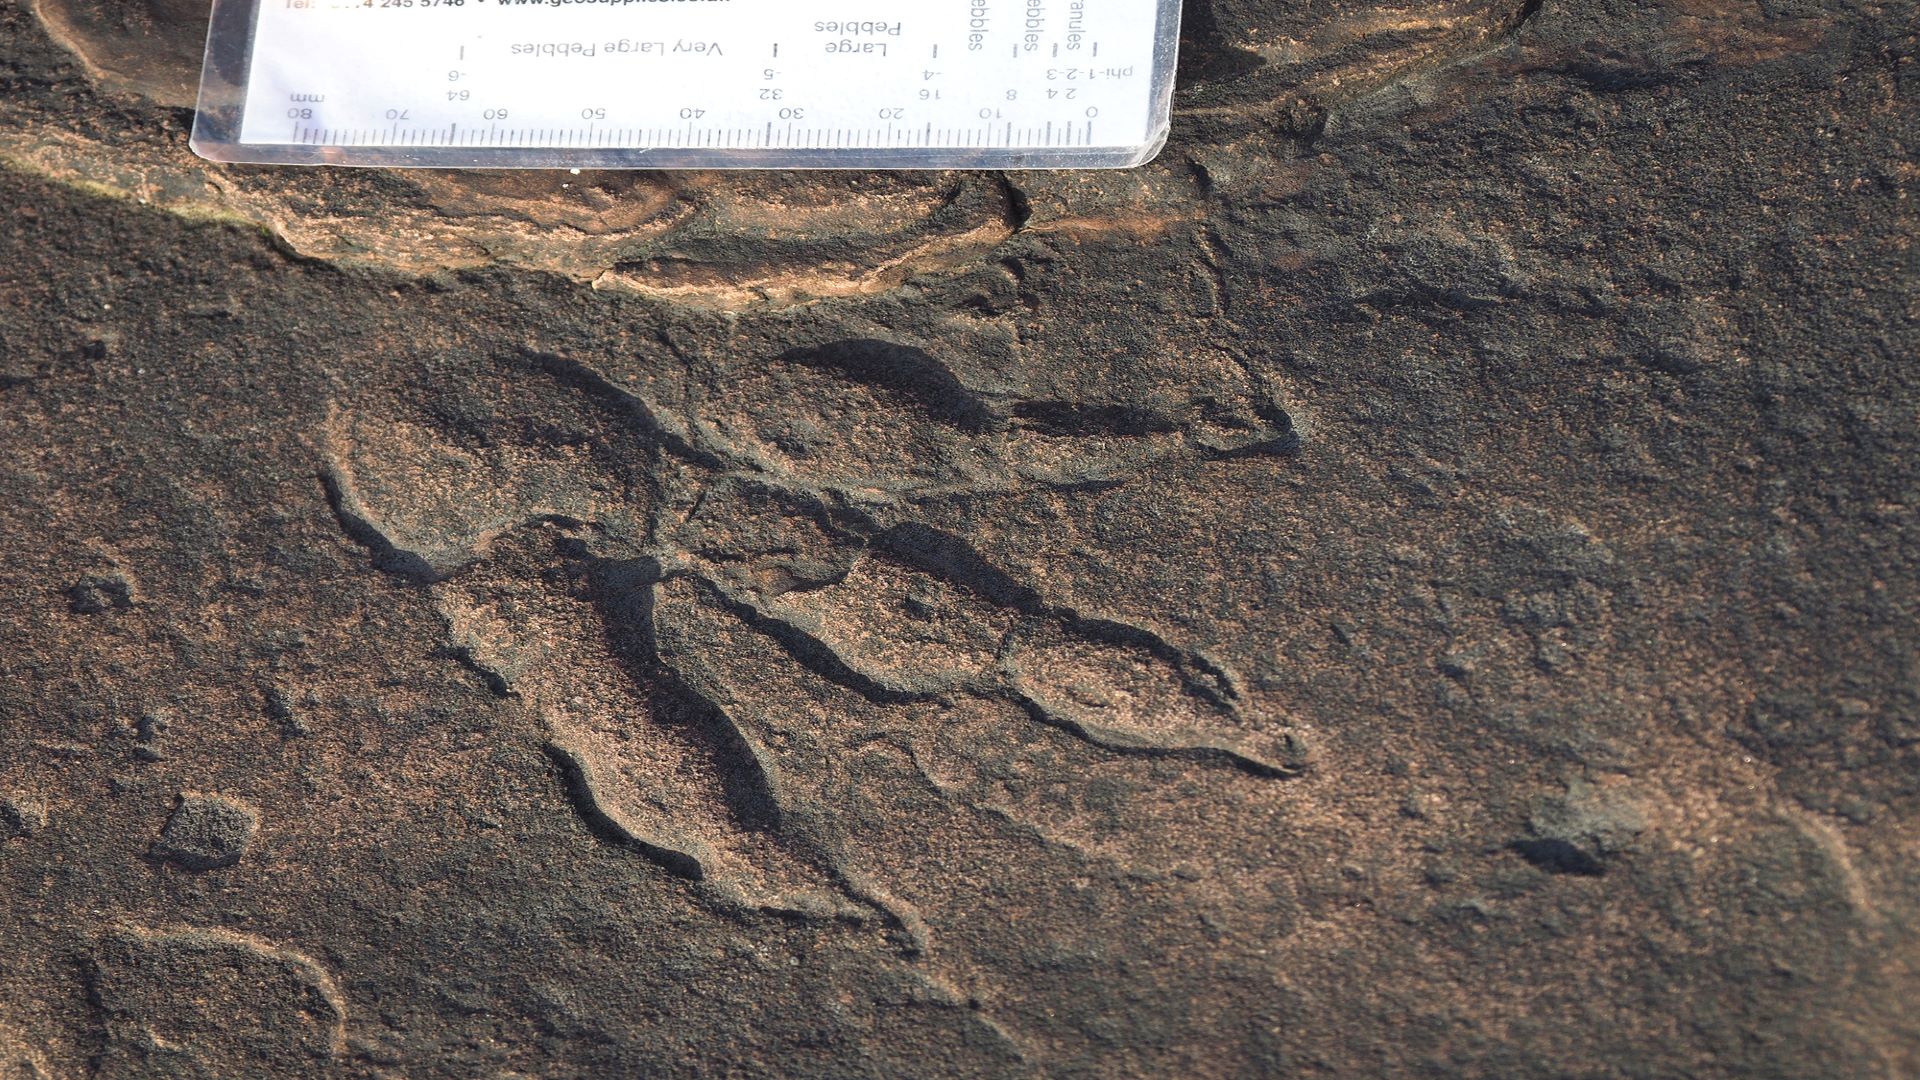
[[689, 83]]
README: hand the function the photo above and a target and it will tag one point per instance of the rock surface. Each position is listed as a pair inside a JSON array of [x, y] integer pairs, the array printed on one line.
[[1418, 581]]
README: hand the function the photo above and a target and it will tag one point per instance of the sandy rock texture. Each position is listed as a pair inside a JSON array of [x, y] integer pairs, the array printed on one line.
[[1418, 581]]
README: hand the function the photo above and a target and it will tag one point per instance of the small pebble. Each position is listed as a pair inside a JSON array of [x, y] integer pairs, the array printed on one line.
[[207, 832], [21, 816]]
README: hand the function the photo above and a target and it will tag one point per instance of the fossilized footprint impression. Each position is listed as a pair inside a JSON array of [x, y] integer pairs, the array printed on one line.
[[683, 573]]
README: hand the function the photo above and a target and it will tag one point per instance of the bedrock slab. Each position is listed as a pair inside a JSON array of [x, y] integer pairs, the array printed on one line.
[[1418, 581]]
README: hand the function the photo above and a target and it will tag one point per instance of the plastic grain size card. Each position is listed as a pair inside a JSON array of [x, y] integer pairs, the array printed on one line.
[[932, 84]]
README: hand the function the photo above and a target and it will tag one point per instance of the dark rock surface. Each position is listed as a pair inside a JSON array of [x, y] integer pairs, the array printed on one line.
[[1419, 581]]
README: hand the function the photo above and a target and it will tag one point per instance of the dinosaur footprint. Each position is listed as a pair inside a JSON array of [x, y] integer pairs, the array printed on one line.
[[696, 607]]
